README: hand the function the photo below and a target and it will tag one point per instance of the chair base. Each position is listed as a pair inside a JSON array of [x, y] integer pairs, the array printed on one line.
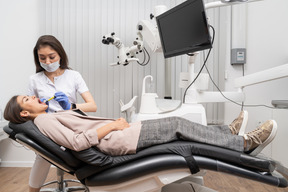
[[151, 182], [62, 184]]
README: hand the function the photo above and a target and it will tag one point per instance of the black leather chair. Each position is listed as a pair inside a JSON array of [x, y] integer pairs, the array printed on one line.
[[161, 164]]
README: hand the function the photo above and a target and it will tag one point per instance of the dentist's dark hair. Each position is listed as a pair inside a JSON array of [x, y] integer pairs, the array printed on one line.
[[12, 111], [49, 40]]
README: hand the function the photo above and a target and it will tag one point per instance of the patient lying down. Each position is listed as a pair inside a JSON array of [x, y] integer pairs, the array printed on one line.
[[117, 137]]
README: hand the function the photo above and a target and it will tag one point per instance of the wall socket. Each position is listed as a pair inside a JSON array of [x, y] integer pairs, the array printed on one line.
[[238, 56]]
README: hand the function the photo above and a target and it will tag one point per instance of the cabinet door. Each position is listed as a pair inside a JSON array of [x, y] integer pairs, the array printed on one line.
[[3, 135]]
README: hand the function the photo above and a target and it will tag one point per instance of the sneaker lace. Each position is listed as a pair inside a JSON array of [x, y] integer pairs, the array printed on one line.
[[232, 126], [233, 129], [255, 136]]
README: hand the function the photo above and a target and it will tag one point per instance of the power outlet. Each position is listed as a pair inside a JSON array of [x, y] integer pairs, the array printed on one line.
[[238, 56]]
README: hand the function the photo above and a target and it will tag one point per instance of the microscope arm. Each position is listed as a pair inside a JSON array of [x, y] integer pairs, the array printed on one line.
[[147, 32], [125, 54]]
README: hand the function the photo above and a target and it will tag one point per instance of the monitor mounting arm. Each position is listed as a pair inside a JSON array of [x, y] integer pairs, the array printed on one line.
[[223, 3]]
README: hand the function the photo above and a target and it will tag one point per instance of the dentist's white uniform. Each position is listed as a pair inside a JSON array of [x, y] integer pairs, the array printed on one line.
[[70, 82]]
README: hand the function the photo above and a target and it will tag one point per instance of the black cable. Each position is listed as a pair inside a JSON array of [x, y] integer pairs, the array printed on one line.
[[144, 63], [201, 67], [242, 107], [148, 56], [144, 59]]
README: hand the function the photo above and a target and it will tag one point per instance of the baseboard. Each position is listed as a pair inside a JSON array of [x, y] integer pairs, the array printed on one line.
[[16, 163]]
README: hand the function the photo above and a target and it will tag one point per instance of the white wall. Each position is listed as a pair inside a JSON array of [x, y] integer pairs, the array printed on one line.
[[19, 30], [267, 47]]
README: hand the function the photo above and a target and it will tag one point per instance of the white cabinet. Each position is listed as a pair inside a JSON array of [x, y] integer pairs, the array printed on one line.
[[3, 135], [280, 143]]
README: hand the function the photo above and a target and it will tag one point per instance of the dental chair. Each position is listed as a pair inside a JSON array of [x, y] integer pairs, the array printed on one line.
[[148, 170]]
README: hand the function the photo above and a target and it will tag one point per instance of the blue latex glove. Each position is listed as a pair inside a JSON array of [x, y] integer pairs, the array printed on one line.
[[63, 100], [46, 102]]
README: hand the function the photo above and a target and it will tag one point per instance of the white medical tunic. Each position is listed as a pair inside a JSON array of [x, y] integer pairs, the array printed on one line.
[[70, 83]]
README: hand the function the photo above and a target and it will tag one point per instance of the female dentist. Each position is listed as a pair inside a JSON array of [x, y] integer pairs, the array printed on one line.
[[54, 79]]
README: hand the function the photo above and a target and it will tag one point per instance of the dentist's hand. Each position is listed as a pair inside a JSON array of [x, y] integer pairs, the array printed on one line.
[[46, 102], [63, 100]]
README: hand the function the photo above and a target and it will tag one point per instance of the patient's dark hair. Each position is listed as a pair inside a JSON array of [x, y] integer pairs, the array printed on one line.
[[49, 40], [12, 111]]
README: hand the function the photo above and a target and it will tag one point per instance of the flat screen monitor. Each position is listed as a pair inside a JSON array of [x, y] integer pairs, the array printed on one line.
[[184, 29]]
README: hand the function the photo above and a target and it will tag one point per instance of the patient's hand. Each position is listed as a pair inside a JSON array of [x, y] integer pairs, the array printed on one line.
[[120, 124]]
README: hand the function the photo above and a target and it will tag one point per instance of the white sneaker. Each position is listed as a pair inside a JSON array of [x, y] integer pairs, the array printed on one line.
[[261, 137], [239, 124]]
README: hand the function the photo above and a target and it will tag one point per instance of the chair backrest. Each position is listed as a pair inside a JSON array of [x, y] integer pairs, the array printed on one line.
[[28, 134]]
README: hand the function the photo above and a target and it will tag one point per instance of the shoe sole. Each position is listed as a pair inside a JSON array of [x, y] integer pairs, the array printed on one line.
[[258, 149], [244, 124]]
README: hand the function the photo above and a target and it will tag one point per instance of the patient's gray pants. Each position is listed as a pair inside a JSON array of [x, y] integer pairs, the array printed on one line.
[[169, 129]]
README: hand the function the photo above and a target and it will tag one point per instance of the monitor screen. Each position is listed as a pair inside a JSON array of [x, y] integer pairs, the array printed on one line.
[[184, 29]]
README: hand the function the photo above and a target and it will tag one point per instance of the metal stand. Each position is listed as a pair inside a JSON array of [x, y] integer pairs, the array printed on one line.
[[62, 185]]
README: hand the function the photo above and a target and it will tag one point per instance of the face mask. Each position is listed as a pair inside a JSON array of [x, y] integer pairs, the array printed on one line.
[[50, 67]]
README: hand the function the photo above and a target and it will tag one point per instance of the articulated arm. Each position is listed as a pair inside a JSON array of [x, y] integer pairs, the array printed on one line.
[[126, 54], [262, 76], [223, 3], [147, 32]]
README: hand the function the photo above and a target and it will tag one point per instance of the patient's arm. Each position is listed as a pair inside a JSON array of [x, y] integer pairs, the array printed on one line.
[[116, 125], [66, 136]]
